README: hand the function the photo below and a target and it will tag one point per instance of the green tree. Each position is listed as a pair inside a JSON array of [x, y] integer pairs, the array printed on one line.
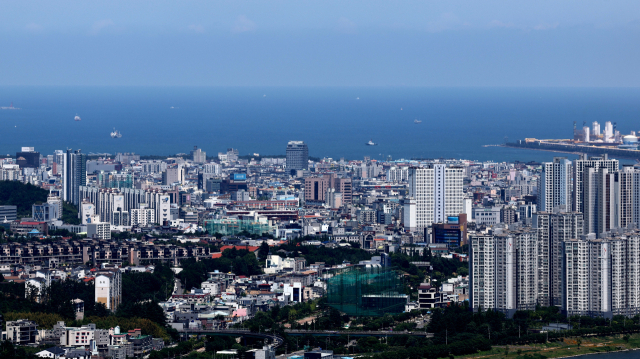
[[263, 251]]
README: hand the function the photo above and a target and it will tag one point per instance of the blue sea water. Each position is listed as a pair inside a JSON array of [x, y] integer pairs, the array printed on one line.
[[334, 122]]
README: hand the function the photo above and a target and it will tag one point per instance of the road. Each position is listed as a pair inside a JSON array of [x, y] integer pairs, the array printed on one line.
[[177, 288]]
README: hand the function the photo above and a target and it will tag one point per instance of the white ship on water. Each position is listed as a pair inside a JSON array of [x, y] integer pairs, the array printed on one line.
[[417, 121], [371, 143], [116, 134], [77, 118], [9, 107]]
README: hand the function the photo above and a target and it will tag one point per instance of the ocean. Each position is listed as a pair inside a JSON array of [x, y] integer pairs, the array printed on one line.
[[334, 122]]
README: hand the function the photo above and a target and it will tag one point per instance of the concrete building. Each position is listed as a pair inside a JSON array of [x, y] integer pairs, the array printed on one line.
[[293, 292], [22, 331], [198, 155], [173, 174], [28, 158], [437, 190], [315, 189], [108, 288], [487, 215], [297, 156], [554, 185], [100, 230]]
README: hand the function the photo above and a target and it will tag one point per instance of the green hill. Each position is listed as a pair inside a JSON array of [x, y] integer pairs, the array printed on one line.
[[21, 195]]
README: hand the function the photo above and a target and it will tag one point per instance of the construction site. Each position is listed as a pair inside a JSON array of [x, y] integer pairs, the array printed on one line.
[[366, 291]]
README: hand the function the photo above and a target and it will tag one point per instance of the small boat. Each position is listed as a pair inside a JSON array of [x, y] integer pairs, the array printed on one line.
[[371, 143], [77, 118], [116, 134], [400, 108], [417, 121], [9, 107], [357, 98]]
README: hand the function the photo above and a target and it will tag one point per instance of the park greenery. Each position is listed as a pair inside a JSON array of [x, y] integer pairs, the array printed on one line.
[[22, 196]]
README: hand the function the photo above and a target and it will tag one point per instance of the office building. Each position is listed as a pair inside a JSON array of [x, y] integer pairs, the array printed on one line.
[[554, 185], [293, 292], [453, 233], [45, 212], [28, 158], [297, 156], [315, 189], [437, 190], [74, 176]]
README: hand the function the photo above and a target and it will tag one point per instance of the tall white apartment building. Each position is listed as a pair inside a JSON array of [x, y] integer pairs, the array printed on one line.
[[624, 196], [554, 185], [608, 132], [398, 174], [598, 200], [503, 271], [553, 230], [437, 190], [575, 284], [142, 216], [579, 166], [482, 266], [601, 276]]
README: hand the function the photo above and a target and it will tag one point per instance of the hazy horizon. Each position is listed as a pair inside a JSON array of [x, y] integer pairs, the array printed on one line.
[[493, 43]]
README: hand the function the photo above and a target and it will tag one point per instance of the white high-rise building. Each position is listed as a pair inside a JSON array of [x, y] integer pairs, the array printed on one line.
[[596, 129], [143, 216], [599, 201], [409, 216], [482, 268], [504, 271], [437, 190], [554, 185], [587, 137], [398, 174], [601, 276], [608, 132], [579, 166]]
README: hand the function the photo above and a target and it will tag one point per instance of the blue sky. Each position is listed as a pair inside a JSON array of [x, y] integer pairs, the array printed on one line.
[[320, 43]]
